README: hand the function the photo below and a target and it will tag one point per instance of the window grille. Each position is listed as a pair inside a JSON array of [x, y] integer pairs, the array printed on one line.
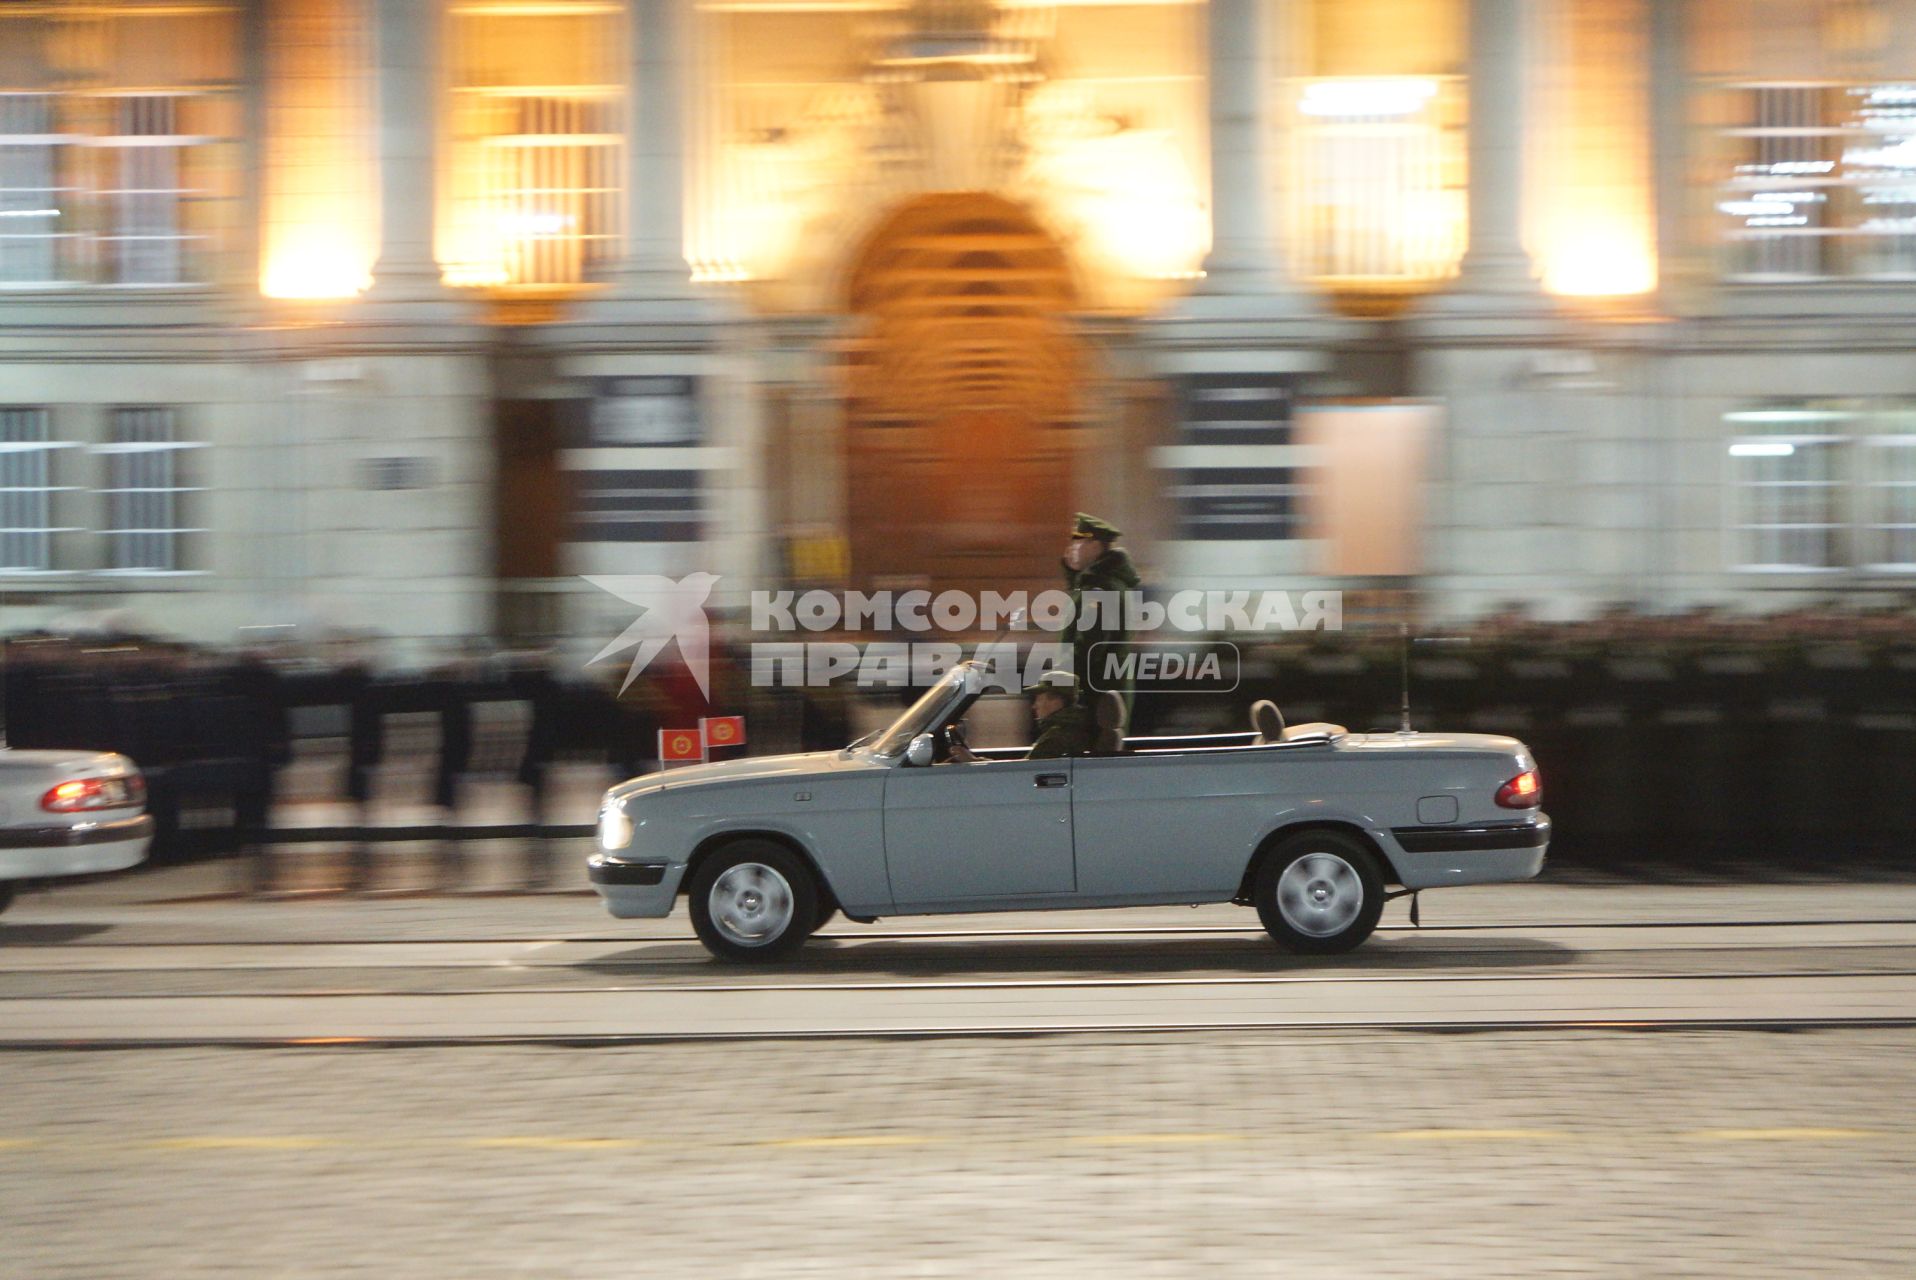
[[537, 123], [145, 496], [35, 203], [1823, 486], [26, 491], [1822, 181], [1379, 195]]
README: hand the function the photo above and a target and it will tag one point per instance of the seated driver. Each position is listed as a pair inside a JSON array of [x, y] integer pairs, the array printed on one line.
[[1064, 727]]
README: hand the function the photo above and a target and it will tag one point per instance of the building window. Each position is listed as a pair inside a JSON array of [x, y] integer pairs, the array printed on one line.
[[1888, 466], [1824, 486], [145, 196], [1239, 504], [35, 202], [1378, 198], [537, 127], [26, 491], [1822, 181], [118, 128], [146, 500]]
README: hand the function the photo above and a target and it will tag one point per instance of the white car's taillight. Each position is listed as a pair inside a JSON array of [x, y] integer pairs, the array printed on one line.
[[81, 795], [1525, 791]]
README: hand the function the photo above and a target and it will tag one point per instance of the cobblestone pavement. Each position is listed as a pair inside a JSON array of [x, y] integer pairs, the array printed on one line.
[[1377, 1154]]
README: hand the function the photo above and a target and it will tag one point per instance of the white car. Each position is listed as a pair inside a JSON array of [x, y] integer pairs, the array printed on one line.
[[69, 813]]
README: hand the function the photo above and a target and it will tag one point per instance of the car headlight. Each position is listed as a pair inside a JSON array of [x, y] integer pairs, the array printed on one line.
[[615, 829]]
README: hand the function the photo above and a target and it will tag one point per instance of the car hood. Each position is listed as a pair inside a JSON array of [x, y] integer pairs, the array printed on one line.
[[754, 769]]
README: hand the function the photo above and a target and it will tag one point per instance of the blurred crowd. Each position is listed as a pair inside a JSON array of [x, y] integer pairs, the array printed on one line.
[[1702, 735]]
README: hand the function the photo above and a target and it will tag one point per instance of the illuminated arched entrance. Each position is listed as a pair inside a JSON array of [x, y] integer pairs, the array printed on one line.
[[962, 387]]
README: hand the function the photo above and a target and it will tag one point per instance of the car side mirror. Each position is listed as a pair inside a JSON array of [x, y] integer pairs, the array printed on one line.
[[919, 753]]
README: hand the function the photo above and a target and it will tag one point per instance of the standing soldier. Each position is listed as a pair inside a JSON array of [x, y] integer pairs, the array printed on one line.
[[1094, 564]]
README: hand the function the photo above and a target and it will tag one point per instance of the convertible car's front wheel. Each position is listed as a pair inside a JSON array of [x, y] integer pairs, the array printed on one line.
[[753, 900], [1319, 892]]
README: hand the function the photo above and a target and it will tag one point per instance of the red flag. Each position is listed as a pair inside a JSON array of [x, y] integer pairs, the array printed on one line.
[[723, 731], [678, 745]]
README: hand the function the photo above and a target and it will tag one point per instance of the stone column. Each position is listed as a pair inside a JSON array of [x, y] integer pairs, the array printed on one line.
[[1244, 255], [1501, 51], [659, 46], [406, 40], [1670, 142]]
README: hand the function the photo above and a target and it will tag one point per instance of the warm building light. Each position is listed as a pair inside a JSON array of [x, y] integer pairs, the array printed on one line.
[[1383, 96], [315, 262], [320, 232], [1593, 227], [1600, 258], [1130, 199]]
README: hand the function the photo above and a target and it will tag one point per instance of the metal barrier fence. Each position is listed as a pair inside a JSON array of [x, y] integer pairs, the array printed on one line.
[[1791, 753]]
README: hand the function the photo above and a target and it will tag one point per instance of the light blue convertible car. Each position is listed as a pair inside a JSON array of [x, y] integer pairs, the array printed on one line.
[[1311, 825]]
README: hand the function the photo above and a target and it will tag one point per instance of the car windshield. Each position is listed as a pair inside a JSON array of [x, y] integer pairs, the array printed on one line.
[[923, 715]]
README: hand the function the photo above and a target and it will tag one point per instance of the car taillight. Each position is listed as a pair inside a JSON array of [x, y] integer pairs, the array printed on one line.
[[1525, 791], [78, 795]]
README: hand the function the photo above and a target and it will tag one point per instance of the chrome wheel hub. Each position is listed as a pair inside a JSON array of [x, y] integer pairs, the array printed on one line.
[[751, 904], [1320, 894]]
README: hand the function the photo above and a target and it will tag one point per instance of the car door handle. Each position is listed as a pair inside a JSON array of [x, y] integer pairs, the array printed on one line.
[[1051, 780]]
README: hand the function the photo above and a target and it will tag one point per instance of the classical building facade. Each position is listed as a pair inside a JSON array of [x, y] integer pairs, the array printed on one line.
[[403, 315]]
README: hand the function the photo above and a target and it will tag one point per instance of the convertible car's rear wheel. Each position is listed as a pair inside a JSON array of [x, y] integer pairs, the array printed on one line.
[[1319, 892], [753, 900]]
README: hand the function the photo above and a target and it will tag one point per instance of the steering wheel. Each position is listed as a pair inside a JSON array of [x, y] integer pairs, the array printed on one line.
[[948, 740]]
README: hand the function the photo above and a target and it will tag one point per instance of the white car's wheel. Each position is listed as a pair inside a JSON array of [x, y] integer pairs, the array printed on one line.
[[1319, 892], [753, 900]]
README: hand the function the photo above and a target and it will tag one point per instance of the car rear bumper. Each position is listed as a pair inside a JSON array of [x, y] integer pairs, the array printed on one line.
[[1486, 853], [31, 853], [632, 888]]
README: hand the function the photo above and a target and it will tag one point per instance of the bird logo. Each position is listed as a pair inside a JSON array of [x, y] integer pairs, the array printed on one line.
[[670, 611]]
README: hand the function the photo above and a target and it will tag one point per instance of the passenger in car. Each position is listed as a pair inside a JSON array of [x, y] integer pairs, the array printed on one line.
[[1064, 725]]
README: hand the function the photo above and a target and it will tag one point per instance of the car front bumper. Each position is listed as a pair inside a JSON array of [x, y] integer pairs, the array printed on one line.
[[634, 887], [33, 853], [1485, 853]]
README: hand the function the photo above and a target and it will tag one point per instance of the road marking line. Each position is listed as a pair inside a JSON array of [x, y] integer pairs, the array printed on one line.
[[853, 1140], [535, 1142], [18, 1144], [244, 1142], [1780, 1135], [1154, 1139], [1471, 1135]]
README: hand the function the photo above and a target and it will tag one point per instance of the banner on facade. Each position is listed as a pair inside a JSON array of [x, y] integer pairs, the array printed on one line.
[[1367, 501]]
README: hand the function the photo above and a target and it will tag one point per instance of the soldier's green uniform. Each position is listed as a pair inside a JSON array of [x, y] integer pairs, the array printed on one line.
[[1111, 573], [1066, 732]]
